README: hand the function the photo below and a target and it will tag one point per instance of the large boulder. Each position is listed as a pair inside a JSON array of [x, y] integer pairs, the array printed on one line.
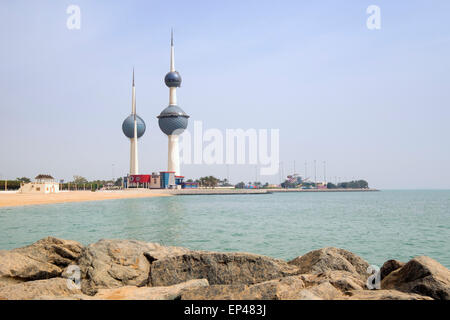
[[43, 259], [287, 288], [52, 250], [215, 292], [328, 259], [218, 268], [149, 293], [290, 288], [16, 268], [55, 287], [389, 266], [383, 295], [421, 275], [118, 263], [341, 280]]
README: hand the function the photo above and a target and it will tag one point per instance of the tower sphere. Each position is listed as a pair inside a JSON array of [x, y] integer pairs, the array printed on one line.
[[173, 120], [128, 126], [173, 79]]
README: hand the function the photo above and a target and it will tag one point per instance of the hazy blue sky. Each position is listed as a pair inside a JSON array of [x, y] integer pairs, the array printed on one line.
[[373, 103]]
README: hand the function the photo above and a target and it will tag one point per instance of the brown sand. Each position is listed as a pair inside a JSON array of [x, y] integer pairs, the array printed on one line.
[[19, 199]]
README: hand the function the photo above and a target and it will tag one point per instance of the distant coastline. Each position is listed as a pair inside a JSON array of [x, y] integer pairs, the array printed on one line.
[[14, 199]]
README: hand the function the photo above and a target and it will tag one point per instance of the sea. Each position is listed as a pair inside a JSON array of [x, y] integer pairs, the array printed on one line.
[[378, 226]]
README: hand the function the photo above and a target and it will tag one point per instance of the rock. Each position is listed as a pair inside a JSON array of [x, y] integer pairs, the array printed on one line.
[[43, 259], [421, 275], [383, 295], [70, 297], [389, 266], [288, 288], [341, 280], [215, 292], [149, 293], [279, 289], [117, 263], [112, 264], [322, 291], [52, 250], [328, 259], [158, 252], [34, 289], [218, 268], [16, 268]]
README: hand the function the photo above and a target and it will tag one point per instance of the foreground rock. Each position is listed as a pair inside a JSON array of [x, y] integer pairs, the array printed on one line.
[[288, 288], [341, 280], [383, 295], [118, 263], [56, 287], [52, 250], [389, 266], [43, 259], [136, 270], [421, 275], [218, 268], [329, 259], [16, 268], [149, 293]]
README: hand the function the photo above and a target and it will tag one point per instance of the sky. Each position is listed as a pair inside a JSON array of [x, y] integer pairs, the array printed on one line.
[[372, 104]]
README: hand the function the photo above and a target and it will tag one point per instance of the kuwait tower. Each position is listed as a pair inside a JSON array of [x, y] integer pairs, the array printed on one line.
[[173, 120], [133, 127]]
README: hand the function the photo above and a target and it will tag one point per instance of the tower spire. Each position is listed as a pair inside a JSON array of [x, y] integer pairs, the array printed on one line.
[[133, 98], [172, 53]]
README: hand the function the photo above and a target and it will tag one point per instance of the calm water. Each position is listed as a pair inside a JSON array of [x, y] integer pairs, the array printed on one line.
[[376, 225]]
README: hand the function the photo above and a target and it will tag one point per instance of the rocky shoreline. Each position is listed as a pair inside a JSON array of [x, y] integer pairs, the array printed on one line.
[[55, 269]]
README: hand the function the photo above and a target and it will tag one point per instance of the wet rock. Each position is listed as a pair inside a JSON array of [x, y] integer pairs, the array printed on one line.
[[421, 275], [149, 293], [328, 259], [218, 268], [50, 288], [389, 266]]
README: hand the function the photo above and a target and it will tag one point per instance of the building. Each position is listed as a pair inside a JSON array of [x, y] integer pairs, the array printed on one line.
[[173, 120], [133, 128], [44, 183], [163, 180]]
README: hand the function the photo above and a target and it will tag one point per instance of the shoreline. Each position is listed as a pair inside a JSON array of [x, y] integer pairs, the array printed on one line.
[[14, 199], [21, 199]]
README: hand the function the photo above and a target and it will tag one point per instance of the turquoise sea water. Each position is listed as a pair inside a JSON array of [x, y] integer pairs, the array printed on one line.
[[376, 225]]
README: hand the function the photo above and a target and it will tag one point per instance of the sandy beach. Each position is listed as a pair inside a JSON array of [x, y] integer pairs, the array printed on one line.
[[9, 199]]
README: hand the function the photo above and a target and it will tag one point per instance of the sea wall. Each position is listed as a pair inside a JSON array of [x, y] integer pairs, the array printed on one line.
[[54, 268]]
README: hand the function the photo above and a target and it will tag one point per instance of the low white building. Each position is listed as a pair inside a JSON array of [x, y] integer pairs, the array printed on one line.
[[44, 183]]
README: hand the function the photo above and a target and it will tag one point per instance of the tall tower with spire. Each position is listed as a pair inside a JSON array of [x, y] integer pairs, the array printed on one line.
[[133, 127], [173, 120]]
